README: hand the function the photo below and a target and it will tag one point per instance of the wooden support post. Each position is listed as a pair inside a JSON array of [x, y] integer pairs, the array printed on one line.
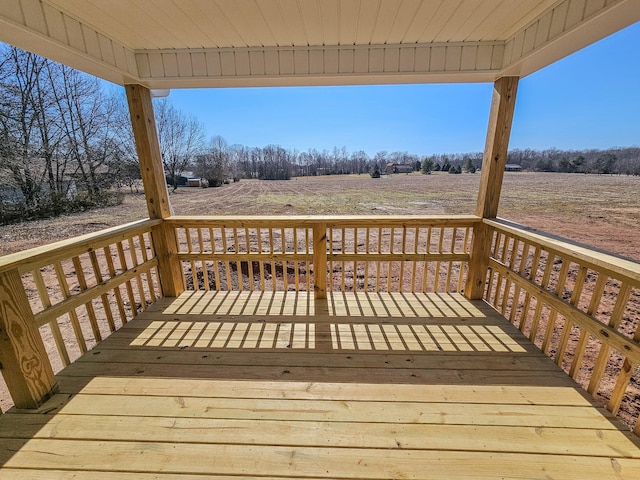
[[23, 359], [320, 261], [155, 188], [493, 165], [169, 267], [148, 148]]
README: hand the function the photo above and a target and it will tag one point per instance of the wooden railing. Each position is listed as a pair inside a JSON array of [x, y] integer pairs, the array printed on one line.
[[75, 292], [320, 254], [580, 306]]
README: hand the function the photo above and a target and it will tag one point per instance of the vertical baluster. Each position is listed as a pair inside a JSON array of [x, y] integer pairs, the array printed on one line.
[[249, 263], [180, 249], [367, 236], [436, 281], [116, 291], [203, 261], [123, 266], [262, 283], [295, 261], [53, 324], [145, 258], [194, 275], [624, 378], [378, 262], [500, 253], [493, 255], [390, 267], [527, 296], [306, 263], [614, 321], [516, 291], [285, 276], [75, 323], [227, 265], [403, 251], [134, 258], [507, 286], [91, 313], [416, 235], [273, 262], [343, 264], [568, 323], [320, 261], [450, 266], [216, 273], [104, 297], [330, 285], [465, 246], [548, 269], [584, 336], [503, 282], [236, 251], [355, 262], [427, 250]]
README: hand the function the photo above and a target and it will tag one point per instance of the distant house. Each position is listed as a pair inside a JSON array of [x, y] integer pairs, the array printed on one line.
[[194, 182], [398, 168], [512, 167]]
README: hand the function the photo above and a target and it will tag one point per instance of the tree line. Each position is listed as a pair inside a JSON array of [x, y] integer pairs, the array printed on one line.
[[622, 161]]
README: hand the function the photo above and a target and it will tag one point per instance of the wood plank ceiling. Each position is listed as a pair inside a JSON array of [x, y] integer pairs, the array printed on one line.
[[189, 43]]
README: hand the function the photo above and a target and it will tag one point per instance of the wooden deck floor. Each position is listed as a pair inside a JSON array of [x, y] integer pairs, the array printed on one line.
[[252, 385]]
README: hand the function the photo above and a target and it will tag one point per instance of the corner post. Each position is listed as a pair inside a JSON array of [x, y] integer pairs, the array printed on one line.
[[492, 174], [23, 358], [155, 188]]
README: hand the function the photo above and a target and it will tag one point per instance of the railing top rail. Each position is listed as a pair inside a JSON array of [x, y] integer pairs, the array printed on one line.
[[347, 220], [619, 267], [35, 257]]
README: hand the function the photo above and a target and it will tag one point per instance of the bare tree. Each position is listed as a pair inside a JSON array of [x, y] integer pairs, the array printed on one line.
[[57, 134], [181, 139], [214, 164]]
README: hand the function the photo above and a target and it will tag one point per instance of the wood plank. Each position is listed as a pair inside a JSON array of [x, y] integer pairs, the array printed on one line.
[[305, 461], [544, 440], [265, 389], [323, 374], [334, 221], [341, 411], [56, 474], [291, 357]]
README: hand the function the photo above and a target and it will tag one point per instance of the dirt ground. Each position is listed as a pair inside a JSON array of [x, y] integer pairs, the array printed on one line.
[[598, 210], [601, 211]]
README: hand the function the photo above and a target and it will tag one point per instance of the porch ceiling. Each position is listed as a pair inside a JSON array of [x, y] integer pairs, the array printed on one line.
[[210, 43]]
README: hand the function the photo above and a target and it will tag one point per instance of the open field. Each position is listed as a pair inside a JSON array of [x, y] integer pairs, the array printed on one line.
[[598, 210]]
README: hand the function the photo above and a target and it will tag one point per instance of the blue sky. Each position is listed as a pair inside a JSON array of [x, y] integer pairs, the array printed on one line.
[[588, 100]]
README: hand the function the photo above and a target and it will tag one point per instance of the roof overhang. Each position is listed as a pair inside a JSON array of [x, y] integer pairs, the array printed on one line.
[[202, 43]]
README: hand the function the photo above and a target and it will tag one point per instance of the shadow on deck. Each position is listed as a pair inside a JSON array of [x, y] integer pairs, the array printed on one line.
[[253, 384]]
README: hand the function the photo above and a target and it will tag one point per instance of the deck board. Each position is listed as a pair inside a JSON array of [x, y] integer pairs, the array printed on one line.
[[211, 386]]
